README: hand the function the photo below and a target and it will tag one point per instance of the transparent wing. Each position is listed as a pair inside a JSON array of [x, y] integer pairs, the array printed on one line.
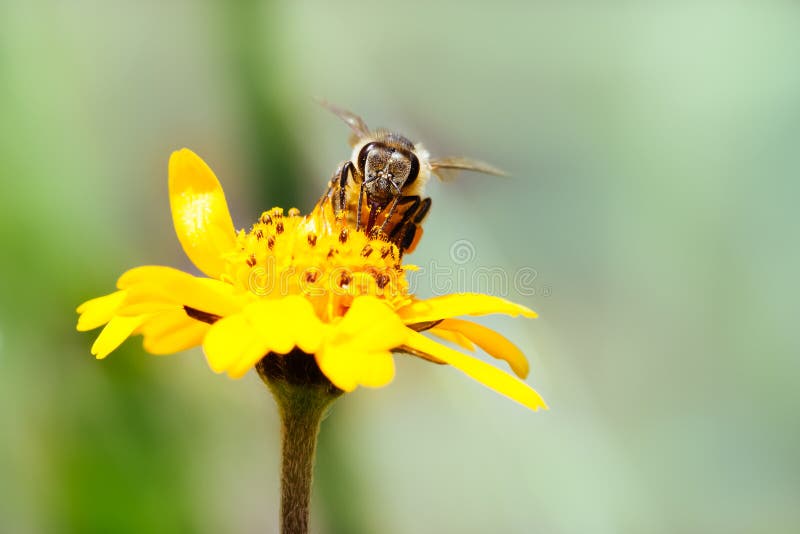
[[447, 168], [355, 122]]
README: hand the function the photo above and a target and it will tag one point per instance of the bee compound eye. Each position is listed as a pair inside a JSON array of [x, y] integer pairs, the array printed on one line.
[[398, 167], [413, 171], [362, 155]]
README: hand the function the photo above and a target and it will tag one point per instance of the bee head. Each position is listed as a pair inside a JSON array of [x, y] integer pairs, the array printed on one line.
[[388, 166]]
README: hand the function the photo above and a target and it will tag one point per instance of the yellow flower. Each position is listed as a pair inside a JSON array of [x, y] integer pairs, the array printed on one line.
[[294, 282]]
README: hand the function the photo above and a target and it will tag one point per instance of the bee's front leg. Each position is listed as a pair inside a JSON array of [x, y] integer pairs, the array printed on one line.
[[358, 211], [347, 171]]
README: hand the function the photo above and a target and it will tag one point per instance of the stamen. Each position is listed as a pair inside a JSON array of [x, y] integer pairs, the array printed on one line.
[[387, 250], [352, 258]]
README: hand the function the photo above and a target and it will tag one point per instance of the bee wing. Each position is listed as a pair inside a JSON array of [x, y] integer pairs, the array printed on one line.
[[447, 168], [355, 122]]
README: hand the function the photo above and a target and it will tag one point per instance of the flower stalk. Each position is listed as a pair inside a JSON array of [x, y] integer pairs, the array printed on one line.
[[303, 395]]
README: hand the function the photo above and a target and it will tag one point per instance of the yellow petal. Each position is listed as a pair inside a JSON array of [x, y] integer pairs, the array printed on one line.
[[146, 304], [493, 343], [172, 331], [228, 340], [458, 304], [484, 373], [235, 344], [159, 324], [370, 325], [281, 326], [287, 323], [348, 369], [116, 331], [151, 286], [199, 212], [99, 311], [377, 369], [453, 337], [357, 350]]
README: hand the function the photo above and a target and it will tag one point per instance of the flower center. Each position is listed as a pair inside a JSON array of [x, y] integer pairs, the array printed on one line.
[[318, 257]]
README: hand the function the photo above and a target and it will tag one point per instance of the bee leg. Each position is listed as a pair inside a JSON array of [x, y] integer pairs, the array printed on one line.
[[408, 231], [389, 215], [422, 212], [414, 200], [333, 187], [408, 237], [374, 211], [347, 170], [329, 195], [358, 211]]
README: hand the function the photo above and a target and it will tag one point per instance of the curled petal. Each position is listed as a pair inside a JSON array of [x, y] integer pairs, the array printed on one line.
[[166, 327], [493, 343], [453, 337], [154, 288], [172, 331], [489, 376], [459, 304], [199, 212], [98, 311], [115, 332]]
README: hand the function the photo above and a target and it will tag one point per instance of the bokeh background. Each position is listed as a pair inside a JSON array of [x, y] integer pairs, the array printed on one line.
[[654, 153]]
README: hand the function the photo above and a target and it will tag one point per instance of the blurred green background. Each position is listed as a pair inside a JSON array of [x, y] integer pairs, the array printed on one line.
[[654, 150]]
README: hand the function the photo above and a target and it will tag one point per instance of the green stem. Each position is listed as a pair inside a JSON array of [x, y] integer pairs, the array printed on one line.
[[300, 421], [303, 395]]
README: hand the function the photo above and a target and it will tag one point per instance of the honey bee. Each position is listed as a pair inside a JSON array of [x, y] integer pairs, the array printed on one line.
[[381, 187]]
